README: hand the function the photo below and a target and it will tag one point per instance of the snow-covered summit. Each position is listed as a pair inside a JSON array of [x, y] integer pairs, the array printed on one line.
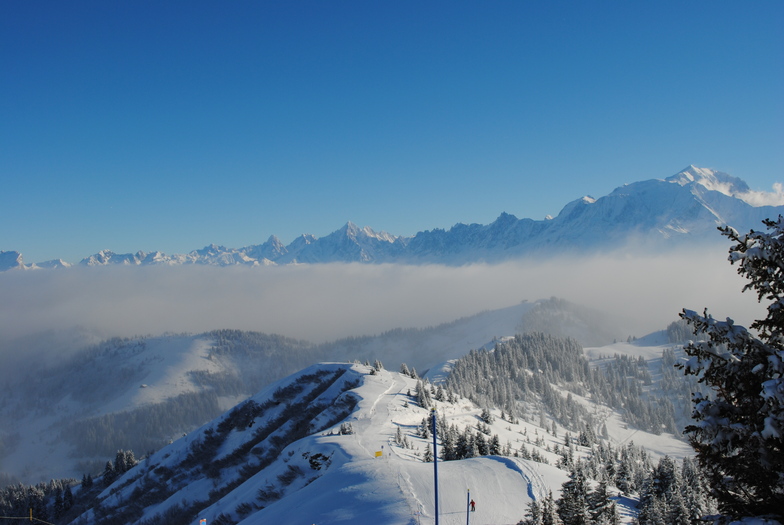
[[717, 181], [711, 180], [10, 260]]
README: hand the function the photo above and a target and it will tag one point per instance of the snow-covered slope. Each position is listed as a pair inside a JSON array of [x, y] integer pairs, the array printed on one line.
[[196, 376], [69, 417], [281, 457], [686, 207]]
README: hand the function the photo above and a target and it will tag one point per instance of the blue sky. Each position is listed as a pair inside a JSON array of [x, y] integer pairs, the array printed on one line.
[[171, 125]]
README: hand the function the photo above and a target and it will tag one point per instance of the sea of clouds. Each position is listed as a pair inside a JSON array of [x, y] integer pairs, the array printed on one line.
[[328, 301]]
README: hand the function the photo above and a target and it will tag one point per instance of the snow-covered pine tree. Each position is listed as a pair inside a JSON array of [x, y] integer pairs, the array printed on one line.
[[59, 506], [424, 428], [68, 498], [573, 503], [533, 514], [109, 474], [487, 416], [738, 430], [423, 395], [695, 490], [494, 446], [549, 511], [661, 497], [428, 457], [601, 507]]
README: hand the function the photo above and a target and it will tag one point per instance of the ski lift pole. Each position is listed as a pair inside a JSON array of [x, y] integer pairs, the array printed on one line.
[[468, 505], [435, 459]]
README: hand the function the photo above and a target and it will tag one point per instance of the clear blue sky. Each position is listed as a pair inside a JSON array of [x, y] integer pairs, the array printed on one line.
[[133, 125]]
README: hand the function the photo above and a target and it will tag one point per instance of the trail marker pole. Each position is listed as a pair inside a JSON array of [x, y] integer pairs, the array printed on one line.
[[435, 458]]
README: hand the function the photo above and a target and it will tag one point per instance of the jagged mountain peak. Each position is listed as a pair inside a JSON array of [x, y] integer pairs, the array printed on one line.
[[210, 249], [54, 263], [10, 260], [711, 180], [274, 241], [353, 231], [108, 257], [506, 218]]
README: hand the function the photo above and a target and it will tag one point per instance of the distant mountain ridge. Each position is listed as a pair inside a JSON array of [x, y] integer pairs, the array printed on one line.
[[686, 207]]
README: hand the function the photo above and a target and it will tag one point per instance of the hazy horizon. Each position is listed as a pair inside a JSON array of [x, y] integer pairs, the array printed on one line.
[[324, 302]]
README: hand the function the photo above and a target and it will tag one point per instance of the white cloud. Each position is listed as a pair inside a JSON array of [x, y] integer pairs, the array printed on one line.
[[325, 302], [765, 198]]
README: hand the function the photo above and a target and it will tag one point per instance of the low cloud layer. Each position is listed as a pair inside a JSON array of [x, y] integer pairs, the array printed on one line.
[[325, 302]]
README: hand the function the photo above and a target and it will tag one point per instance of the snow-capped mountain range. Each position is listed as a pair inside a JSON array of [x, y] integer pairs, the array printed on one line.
[[686, 207]]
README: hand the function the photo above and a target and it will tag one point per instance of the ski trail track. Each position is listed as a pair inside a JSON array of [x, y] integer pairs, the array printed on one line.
[[394, 466], [537, 487], [406, 483], [388, 467]]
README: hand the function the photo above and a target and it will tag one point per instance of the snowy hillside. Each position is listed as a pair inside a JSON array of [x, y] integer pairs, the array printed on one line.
[[68, 417], [139, 393], [339, 443], [686, 207]]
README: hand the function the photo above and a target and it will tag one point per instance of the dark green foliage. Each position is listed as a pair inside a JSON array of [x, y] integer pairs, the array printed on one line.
[[49, 501], [679, 332], [292, 472], [486, 416], [738, 430], [223, 519], [140, 429], [243, 509], [423, 395], [428, 456], [667, 497], [573, 504], [601, 507], [526, 368], [268, 494], [317, 460]]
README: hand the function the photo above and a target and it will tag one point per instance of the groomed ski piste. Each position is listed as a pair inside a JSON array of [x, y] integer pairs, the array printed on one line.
[[397, 486], [363, 477]]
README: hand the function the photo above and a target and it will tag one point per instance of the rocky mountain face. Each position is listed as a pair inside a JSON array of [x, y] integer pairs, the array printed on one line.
[[684, 208]]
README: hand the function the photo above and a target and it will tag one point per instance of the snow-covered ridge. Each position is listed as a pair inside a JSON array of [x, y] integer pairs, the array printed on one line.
[[728, 185], [341, 443], [686, 207]]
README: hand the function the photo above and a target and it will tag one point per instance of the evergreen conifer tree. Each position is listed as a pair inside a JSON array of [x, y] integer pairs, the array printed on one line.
[[59, 505], [573, 503], [533, 514], [428, 457], [68, 499], [550, 511], [738, 433]]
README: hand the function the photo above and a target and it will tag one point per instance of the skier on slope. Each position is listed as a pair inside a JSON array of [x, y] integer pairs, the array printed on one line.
[[473, 505]]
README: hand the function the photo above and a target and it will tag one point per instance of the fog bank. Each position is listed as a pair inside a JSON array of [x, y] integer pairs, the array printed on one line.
[[329, 301]]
